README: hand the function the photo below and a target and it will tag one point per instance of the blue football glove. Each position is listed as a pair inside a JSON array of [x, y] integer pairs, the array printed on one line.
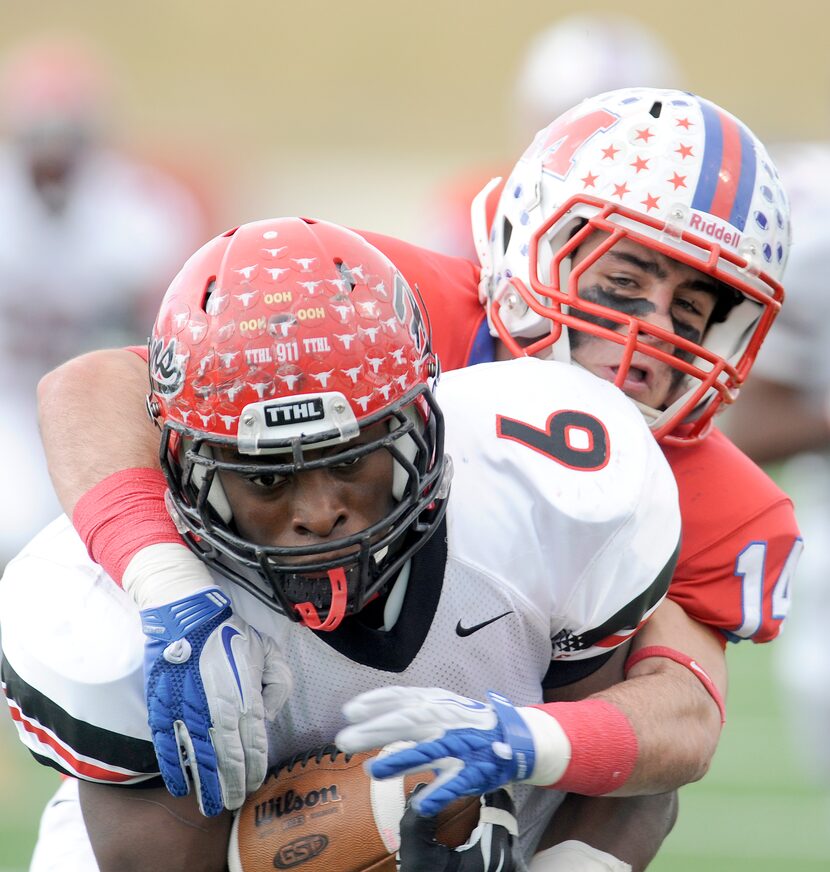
[[211, 681], [475, 746], [490, 847]]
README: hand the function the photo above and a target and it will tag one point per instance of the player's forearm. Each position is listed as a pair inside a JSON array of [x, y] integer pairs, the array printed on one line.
[[675, 717], [93, 421], [155, 830], [655, 731], [677, 728]]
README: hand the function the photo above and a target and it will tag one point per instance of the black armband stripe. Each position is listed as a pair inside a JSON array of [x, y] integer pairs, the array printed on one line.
[[563, 672]]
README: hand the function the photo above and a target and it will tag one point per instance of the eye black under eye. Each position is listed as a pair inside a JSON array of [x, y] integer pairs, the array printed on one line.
[[689, 306]]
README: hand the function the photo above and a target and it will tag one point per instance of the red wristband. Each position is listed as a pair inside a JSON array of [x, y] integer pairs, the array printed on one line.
[[123, 514], [603, 746], [684, 660]]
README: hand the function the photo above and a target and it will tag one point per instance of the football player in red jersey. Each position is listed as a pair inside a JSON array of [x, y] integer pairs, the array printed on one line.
[[577, 267], [714, 207], [642, 236]]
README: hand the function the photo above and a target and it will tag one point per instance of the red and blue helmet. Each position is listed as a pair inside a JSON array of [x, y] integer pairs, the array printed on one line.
[[673, 172]]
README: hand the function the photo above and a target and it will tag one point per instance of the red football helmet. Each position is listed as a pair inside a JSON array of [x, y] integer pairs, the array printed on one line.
[[277, 338]]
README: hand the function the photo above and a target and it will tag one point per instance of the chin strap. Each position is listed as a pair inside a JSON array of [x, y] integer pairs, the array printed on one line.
[[337, 610]]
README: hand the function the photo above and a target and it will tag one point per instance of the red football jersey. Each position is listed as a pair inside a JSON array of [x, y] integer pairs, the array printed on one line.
[[740, 538]]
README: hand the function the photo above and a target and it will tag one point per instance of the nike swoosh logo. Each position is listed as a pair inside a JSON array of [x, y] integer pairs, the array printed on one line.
[[468, 631], [227, 635]]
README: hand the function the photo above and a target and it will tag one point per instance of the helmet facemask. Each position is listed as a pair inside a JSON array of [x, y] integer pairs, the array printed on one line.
[[708, 370]]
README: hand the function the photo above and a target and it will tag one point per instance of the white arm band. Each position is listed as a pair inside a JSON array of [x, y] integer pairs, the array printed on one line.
[[574, 856]]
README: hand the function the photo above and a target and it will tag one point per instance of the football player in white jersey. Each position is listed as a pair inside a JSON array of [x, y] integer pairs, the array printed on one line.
[[304, 453]]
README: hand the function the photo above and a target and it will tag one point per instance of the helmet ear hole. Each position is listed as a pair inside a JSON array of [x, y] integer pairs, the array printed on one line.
[[210, 287], [408, 447], [507, 232]]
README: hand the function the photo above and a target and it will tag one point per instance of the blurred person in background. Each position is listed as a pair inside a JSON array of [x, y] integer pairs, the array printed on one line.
[[783, 418], [88, 239], [576, 57]]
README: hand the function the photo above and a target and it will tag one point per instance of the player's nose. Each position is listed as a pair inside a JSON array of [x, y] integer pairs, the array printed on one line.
[[661, 297], [318, 508]]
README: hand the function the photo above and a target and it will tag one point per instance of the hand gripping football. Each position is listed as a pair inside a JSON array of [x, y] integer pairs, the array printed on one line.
[[322, 812]]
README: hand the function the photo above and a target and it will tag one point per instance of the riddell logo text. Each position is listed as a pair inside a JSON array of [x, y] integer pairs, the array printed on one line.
[[290, 803], [716, 231]]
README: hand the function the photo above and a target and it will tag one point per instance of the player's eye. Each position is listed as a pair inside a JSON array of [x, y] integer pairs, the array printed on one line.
[[687, 305], [621, 281], [348, 463], [266, 480]]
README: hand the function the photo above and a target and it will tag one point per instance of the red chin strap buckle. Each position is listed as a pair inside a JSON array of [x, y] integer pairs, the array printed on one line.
[[337, 611]]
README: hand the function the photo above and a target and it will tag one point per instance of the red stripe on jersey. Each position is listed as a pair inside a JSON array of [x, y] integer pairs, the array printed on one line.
[[87, 770], [730, 169], [618, 638]]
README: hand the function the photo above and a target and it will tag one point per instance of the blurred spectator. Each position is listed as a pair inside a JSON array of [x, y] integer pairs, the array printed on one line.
[[784, 416], [88, 238], [575, 57]]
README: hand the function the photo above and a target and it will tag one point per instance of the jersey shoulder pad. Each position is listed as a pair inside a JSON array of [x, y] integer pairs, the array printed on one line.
[[72, 643], [741, 542], [559, 488]]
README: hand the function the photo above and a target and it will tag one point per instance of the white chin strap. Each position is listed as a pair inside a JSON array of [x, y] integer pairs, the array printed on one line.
[[216, 496], [406, 445]]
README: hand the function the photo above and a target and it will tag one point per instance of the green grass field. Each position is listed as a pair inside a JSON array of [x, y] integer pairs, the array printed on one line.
[[753, 811]]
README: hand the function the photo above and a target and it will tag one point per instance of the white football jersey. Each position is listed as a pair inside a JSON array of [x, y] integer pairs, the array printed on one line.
[[559, 539]]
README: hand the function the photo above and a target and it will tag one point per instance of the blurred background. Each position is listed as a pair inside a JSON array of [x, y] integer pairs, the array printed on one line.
[[131, 133]]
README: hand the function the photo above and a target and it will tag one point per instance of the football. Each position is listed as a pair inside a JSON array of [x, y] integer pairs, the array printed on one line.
[[321, 811]]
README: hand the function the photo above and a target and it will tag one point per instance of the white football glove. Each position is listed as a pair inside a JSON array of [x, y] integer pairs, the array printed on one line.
[[475, 746], [211, 681]]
